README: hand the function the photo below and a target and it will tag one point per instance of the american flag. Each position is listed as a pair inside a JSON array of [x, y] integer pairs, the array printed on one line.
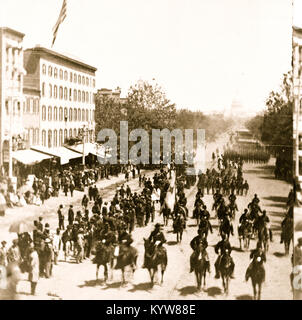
[[61, 18]]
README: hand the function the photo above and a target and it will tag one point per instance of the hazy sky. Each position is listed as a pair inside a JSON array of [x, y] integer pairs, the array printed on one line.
[[202, 52]]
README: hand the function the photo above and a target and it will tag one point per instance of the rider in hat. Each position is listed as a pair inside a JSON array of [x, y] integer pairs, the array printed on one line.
[[221, 248], [199, 245], [256, 254], [263, 221]]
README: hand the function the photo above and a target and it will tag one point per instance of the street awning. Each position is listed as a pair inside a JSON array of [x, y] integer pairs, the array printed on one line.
[[63, 153], [93, 148], [29, 157]]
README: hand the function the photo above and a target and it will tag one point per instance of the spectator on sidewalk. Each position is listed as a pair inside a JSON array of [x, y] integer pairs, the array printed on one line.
[[61, 218], [33, 275]]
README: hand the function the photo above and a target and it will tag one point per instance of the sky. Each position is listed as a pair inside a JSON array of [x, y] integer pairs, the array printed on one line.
[[203, 53]]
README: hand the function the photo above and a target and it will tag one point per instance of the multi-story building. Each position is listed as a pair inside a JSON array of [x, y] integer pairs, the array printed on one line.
[[112, 94], [11, 94], [67, 97], [297, 91]]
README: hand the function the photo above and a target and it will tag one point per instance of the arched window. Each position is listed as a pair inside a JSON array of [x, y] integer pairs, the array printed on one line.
[[43, 89], [87, 81], [83, 115], [50, 71], [44, 69], [70, 94], [38, 106], [55, 73], [34, 141], [55, 92], [83, 80], [79, 114], [93, 115], [86, 115], [49, 138], [55, 114], [87, 97], [70, 76], [49, 113], [65, 75], [79, 79], [74, 132], [61, 114], [65, 114], [61, 93], [75, 114], [74, 95], [55, 138], [83, 96], [70, 133], [93, 83], [70, 114], [65, 93], [60, 137], [43, 138], [75, 78], [50, 91], [61, 74], [65, 135], [34, 105], [37, 136], [43, 113], [79, 95]]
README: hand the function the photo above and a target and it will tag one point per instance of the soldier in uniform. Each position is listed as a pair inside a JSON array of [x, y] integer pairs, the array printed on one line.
[[199, 245]]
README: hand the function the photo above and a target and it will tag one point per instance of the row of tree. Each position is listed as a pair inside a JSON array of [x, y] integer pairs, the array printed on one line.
[[274, 127], [146, 106]]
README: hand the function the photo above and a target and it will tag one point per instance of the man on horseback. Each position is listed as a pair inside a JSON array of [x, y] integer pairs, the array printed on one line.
[[196, 243], [263, 222], [287, 219], [257, 254], [156, 239], [221, 247]]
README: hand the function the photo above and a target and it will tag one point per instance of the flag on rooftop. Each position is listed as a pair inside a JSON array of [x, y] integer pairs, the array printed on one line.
[[61, 18]]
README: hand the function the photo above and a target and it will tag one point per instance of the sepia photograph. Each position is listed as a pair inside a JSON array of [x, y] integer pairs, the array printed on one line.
[[150, 150]]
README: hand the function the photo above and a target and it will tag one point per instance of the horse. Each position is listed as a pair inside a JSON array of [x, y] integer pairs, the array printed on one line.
[[178, 227], [232, 209], [225, 270], [127, 256], [156, 256], [103, 257], [226, 227], [204, 226], [287, 234], [200, 267], [257, 275], [167, 213], [263, 237], [245, 232]]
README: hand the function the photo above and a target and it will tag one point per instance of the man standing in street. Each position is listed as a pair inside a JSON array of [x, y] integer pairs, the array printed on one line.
[[61, 217], [3, 254], [70, 215], [13, 253], [33, 275]]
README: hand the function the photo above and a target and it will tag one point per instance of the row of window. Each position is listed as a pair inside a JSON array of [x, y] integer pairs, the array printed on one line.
[[71, 114], [31, 106], [73, 77], [78, 95], [52, 137]]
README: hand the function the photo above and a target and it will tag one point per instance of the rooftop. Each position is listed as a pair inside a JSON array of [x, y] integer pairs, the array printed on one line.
[[12, 31], [52, 53]]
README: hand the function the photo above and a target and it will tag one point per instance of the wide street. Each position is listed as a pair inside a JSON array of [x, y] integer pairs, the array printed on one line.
[[77, 281]]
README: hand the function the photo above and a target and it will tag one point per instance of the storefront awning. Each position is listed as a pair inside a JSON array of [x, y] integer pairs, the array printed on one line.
[[95, 149], [29, 157], [63, 153]]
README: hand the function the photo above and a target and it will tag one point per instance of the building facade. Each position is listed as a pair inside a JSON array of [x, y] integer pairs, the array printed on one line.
[[67, 97], [297, 92], [12, 133]]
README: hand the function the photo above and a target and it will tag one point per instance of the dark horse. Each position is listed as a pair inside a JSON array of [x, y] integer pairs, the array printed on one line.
[[287, 234], [178, 227], [226, 227], [263, 237], [166, 213], [103, 257], [200, 267], [225, 270], [127, 256], [156, 255], [257, 276], [245, 232]]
